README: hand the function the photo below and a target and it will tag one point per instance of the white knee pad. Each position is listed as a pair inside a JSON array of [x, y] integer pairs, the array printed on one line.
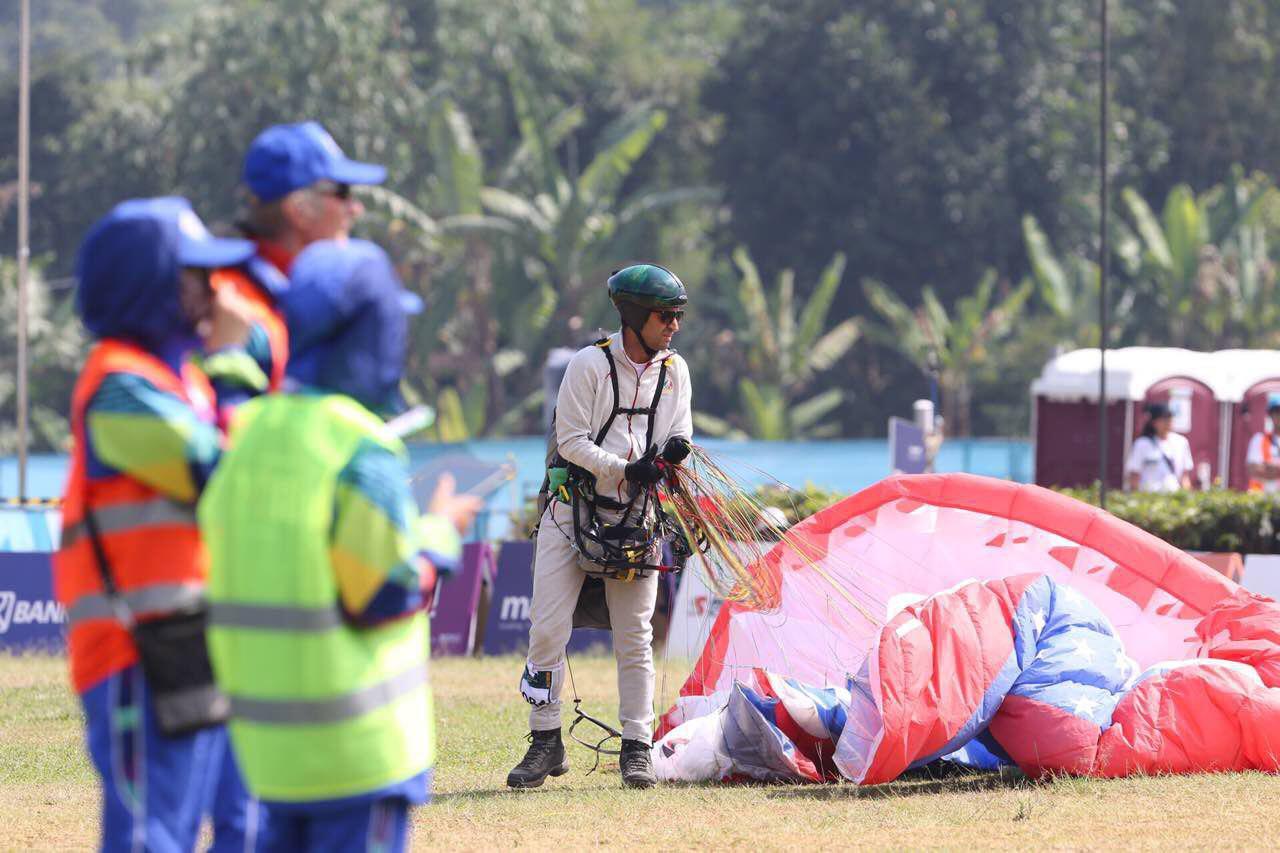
[[541, 687]]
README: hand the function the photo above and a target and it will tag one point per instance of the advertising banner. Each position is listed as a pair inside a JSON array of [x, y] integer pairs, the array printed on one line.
[[30, 618], [906, 447], [507, 627], [457, 602]]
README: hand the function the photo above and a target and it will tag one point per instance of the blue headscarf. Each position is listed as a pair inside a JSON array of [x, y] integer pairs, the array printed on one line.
[[128, 268], [347, 314]]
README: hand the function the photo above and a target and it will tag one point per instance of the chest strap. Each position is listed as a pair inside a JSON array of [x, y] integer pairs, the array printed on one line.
[[648, 412]]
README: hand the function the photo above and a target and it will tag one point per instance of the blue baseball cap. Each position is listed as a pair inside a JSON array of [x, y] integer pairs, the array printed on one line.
[[129, 262], [1273, 401], [288, 157], [347, 314]]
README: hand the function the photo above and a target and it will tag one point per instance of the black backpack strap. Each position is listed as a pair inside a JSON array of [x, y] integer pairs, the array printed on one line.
[[99, 552], [603, 343], [653, 407], [109, 587]]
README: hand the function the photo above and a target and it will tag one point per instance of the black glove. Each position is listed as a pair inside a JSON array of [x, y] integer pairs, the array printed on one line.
[[645, 471], [676, 449]]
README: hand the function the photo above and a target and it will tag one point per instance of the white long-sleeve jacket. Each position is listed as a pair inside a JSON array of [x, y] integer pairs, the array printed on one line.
[[585, 402]]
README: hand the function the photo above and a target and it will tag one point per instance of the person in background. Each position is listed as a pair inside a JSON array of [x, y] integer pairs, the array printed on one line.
[[299, 184], [1262, 459], [321, 570], [131, 560], [1160, 459]]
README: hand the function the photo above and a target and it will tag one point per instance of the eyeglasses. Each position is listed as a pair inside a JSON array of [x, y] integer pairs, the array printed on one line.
[[342, 192], [669, 317]]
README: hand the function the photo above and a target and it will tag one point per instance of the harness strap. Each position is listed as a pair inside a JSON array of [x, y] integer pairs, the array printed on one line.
[[653, 407], [603, 343], [649, 412]]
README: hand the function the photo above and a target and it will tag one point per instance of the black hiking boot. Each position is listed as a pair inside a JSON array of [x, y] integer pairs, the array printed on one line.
[[636, 765], [545, 757]]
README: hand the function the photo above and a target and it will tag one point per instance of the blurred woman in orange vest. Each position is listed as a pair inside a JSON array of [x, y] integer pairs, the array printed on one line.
[[1262, 459], [131, 569]]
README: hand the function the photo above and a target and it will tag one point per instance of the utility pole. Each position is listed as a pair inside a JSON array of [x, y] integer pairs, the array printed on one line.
[[1104, 264], [24, 247]]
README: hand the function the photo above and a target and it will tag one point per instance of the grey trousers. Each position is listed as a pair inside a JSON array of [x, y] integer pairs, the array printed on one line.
[[557, 580]]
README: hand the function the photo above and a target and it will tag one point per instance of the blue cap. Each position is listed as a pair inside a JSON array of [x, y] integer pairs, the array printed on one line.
[[288, 157], [1273, 401], [347, 314], [128, 267]]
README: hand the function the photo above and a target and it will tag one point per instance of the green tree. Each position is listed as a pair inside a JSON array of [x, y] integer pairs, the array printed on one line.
[[783, 343], [572, 228], [56, 348], [1204, 72], [1200, 268], [549, 233], [1069, 287], [957, 343]]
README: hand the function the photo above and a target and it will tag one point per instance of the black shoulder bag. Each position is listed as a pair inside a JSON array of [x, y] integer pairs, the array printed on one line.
[[173, 654]]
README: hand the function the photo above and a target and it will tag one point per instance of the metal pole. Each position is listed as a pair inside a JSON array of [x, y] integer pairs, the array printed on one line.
[[24, 248], [1104, 264]]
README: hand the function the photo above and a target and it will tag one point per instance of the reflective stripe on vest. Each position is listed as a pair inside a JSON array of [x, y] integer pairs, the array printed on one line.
[[325, 711], [274, 617], [123, 517], [153, 598]]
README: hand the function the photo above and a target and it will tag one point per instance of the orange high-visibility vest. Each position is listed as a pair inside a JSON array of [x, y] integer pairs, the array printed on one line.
[[264, 312], [1267, 450], [151, 540]]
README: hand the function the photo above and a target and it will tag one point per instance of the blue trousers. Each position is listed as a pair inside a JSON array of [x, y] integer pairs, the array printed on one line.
[[157, 789], [380, 826]]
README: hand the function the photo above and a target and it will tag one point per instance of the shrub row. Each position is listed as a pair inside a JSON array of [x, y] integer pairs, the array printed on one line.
[[1216, 520]]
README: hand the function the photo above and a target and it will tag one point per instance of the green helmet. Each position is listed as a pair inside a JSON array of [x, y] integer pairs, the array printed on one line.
[[647, 285]]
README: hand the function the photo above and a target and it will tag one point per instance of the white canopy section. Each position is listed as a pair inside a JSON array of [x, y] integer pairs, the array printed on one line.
[[1131, 371], [1244, 369]]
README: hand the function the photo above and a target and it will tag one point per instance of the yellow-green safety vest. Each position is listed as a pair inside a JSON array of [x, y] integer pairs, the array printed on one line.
[[319, 709]]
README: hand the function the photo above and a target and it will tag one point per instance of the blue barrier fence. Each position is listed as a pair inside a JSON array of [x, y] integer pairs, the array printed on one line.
[[29, 617], [846, 466]]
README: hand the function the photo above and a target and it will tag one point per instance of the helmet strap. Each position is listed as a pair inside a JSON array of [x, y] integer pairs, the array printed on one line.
[[634, 318]]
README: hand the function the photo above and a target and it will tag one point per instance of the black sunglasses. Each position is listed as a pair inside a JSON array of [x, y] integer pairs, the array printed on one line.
[[338, 191], [670, 317]]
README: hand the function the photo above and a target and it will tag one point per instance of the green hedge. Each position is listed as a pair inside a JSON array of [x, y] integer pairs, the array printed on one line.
[[798, 504], [1217, 520]]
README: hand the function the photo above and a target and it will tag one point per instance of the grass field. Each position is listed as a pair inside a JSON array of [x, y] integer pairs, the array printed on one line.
[[48, 796]]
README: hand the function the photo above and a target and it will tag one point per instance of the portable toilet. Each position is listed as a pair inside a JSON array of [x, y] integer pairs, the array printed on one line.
[[1254, 376], [1065, 410]]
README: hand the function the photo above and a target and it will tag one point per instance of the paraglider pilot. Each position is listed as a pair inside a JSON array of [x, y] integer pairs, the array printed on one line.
[[622, 415]]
